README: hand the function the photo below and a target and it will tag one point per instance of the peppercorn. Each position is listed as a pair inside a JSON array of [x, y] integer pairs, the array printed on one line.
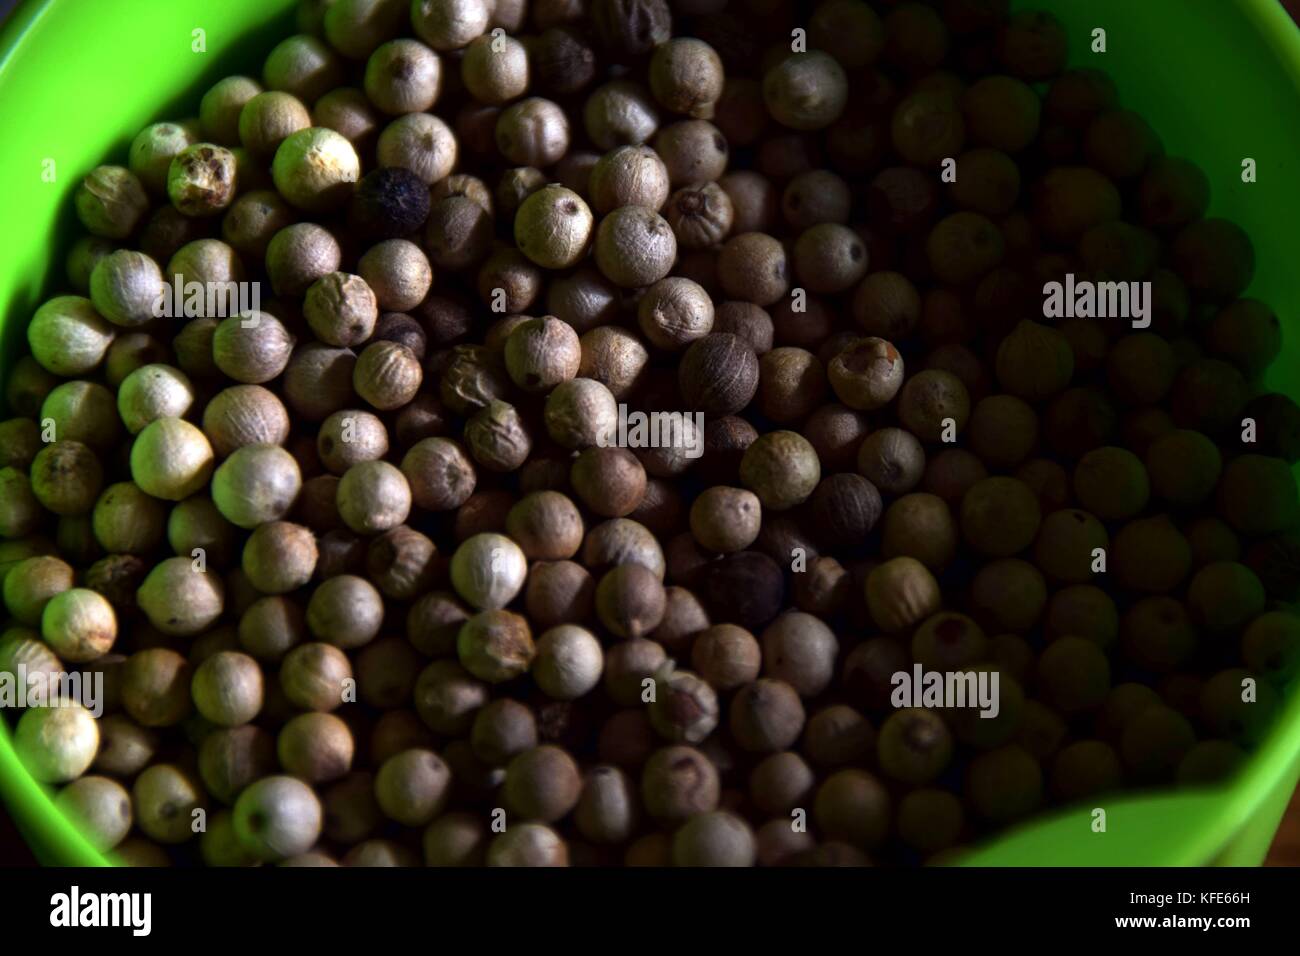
[[387, 375], [304, 66], [837, 735], [1158, 634], [398, 273], [110, 202], [447, 697], [85, 256], [420, 142], [752, 267], [628, 665], [252, 348], [277, 817], [313, 675], [1210, 539], [349, 437], [678, 782], [267, 119], [373, 496], [220, 108], [455, 839], [532, 132], [542, 784], [450, 25], [693, 152], [845, 507], [167, 802], [781, 468], [528, 844], [440, 475], [932, 401], [386, 673], [614, 357], [569, 662], [511, 271], [634, 247], [495, 71], [196, 523], [725, 519], [503, 729], [580, 413], [719, 374], [21, 646], [151, 392], [1173, 193], [227, 689], [68, 337], [20, 440], [317, 748], [701, 215], [867, 374], [201, 179], [100, 807], [56, 743], [610, 481], [495, 645], [622, 541], [259, 483], [630, 600], [1224, 596], [66, 478], [280, 556], [829, 258], [166, 232], [31, 583], [299, 255], [806, 91], [558, 591], [341, 309], [629, 176], [814, 198], [488, 570], [403, 76], [542, 353], [1067, 545], [674, 312], [125, 287], [77, 623], [892, 459], [546, 525], [271, 627], [1154, 742], [156, 687], [620, 113], [792, 384]]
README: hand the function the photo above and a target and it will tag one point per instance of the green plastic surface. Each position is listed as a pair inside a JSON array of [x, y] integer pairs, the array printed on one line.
[[1218, 79]]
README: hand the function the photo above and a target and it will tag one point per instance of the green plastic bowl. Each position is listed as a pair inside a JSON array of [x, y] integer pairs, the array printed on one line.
[[1220, 82]]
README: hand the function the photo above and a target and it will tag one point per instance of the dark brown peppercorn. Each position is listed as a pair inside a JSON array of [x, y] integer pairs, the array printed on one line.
[[745, 588], [845, 507], [562, 61], [718, 374], [631, 28], [389, 203], [725, 441]]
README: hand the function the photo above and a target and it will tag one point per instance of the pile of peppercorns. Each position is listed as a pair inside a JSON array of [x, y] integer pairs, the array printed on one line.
[[370, 580]]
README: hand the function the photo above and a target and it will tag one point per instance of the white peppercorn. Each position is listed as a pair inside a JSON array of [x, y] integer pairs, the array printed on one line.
[[569, 662]]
